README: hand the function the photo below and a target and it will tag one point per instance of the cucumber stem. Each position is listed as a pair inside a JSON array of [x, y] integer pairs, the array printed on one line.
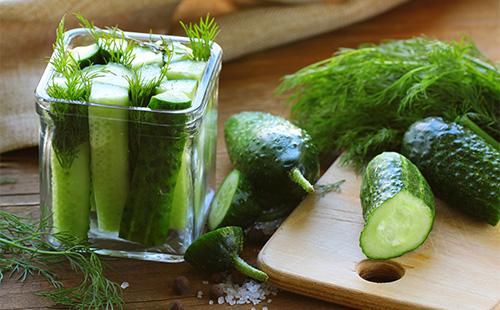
[[467, 122], [249, 270], [298, 178]]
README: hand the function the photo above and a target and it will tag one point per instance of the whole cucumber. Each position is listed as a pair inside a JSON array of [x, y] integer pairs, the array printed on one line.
[[278, 158], [461, 166]]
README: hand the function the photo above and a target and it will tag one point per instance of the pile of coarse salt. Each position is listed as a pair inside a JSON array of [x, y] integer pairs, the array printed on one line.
[[250, 292]]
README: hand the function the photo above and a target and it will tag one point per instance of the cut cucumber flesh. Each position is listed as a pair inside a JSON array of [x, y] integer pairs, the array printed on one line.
[[71, 194], [109, 153], [149, 74], [187, 87], [181, 202], [398, 226], [86, 55], [112, 46], [180, 52], [170, 101], [223, 199], [145, 56], [186, 69], [112, 73]]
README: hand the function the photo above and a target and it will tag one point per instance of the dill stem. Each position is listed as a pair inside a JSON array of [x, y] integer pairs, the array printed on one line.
[[32, 250]]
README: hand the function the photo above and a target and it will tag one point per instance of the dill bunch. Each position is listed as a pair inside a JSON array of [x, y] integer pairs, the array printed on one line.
[[25, 252], [361, 101], [201, 37]]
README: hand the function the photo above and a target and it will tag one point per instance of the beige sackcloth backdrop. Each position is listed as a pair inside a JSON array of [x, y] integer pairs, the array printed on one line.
[[27, 30]]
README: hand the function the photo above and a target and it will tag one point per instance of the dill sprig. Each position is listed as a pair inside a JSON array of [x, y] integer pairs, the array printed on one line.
[[361, 101], [201, 37], [25, 252]]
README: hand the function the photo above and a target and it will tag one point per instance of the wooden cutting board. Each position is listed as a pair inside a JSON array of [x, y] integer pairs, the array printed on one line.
[[315, 252]]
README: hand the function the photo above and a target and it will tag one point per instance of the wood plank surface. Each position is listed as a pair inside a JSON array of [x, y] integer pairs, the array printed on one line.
[[456, 267], [248, 84]]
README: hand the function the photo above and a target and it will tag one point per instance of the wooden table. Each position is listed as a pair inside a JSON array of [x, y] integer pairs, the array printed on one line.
[[247, 84]]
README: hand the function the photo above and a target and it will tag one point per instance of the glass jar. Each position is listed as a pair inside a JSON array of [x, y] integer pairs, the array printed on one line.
[[168, 160]]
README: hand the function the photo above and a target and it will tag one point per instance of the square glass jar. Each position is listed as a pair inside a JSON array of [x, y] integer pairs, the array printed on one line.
[[170, 159]]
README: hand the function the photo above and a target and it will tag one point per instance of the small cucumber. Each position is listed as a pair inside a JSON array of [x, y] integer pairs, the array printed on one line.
[[278, 158], [398, 207], [86, 55], [234, 203], [108, 131], [219, 250], [460, 165], [186, 69]]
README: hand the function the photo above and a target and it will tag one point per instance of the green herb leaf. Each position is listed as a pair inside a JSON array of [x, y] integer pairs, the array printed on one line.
[[201, 37], [361, 101]]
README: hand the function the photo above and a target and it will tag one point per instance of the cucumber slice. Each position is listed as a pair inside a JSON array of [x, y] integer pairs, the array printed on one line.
[[180, 52], [71, 194], [186, 69], [187, 87], [86, 55], [170, 101], [149, 74], [109, 153], [145, 56], [398, 207], [234, 203], [219, 250], [112, 47], [112, 73]]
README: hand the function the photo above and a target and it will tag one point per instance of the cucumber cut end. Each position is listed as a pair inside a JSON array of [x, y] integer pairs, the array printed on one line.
[[222, 200], [398, 226]]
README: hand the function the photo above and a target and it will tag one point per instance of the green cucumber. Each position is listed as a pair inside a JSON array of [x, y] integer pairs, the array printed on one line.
[[145, 56], [108, 131], [186, 69], [69, 162], [187, 87], [111, 73], [179, 52], [278, 158], [219, 250], [234, 203], [86, 55], [460, 165], [147, 214], [182, 201], [398, 207], [149, 73], [71, 194], [112, 48]]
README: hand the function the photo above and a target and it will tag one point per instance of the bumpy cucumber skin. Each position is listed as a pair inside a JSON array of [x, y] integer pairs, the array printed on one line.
[[244, 209], [461, 167], [146, 216], [215, 250], [266, 148], [387, 175]]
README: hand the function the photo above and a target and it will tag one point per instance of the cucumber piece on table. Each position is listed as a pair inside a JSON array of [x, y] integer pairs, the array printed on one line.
[[145, 56], [234, 203], [70, 163], [460, 165], [86, 55], [186, 69], [108, 130], [187, 87], [278, 158], [398, 207], [148, 211], [219, 250]]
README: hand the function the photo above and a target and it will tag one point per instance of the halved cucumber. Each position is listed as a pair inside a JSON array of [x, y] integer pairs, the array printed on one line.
[[86, 55], [234, 203], [398, 207], [187, 87], [186, 69]]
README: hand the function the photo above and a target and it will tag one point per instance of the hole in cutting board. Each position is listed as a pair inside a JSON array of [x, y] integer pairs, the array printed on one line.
[[380, 271]]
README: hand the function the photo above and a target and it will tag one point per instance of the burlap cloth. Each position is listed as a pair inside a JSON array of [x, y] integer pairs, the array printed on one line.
[[27, 29]]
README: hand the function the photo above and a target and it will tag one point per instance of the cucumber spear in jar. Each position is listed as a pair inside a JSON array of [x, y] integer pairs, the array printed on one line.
[[219, 250]]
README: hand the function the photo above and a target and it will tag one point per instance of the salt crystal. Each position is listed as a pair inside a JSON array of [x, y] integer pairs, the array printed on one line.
[[264, 308], [220, 300], [204, 282], [269, 301], [253, 308], [199, 294], [124, 285], [210, 302]]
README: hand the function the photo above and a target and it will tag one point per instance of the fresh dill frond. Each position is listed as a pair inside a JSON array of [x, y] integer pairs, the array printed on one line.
[[25, 252], [62, 60], [201, 36], [361, 101]]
